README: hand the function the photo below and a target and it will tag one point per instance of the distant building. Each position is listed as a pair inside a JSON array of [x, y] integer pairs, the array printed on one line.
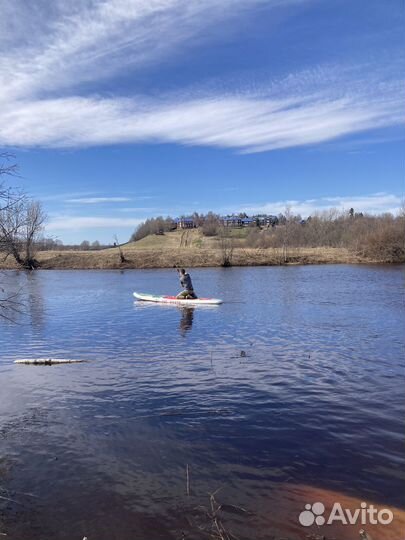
[[260, 220], [265, 220], [232, 221], [185, 223]]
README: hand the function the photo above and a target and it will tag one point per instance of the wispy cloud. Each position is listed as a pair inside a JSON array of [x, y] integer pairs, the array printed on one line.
[[375, 203], [43, 101], [248, 123], [98, 200], [61, 197], [141, 209], [65, 223], [60, 44]]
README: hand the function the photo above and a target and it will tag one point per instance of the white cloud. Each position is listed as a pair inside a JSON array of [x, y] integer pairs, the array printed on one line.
[[142, 209], [51, 50], [60, 44], [66, 223], [98, 200], [374, 204], [247, 123]]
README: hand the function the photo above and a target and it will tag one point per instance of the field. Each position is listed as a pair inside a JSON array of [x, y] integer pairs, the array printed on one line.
[[185, 248]]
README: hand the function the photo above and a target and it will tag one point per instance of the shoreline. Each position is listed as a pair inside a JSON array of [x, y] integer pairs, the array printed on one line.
[[109, 259]]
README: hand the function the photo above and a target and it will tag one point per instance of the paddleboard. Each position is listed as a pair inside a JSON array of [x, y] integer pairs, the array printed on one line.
[[175, 300]]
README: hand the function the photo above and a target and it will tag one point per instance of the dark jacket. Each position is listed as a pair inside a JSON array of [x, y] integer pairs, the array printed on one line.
[[185, 281]]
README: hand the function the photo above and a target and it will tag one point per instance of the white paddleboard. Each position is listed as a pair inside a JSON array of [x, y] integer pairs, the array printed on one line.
[[174, 300]]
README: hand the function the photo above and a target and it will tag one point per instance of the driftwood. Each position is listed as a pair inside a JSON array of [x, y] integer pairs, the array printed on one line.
[[47, 361]]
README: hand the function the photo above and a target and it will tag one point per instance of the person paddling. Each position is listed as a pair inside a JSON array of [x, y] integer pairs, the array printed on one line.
[[185, 281]]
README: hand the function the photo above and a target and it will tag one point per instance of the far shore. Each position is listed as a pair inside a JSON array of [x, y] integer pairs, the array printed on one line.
[[189, 257], [190, 249]]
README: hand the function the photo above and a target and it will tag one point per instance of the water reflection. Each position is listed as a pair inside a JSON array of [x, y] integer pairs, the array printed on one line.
[[22, 298], [35, 299], [186, 313], [186, 320]]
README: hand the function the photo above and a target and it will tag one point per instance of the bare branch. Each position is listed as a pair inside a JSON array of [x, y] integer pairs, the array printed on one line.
[[6, 167]]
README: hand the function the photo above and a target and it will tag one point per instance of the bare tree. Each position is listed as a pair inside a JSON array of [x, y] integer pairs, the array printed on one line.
[[226, 245], [7, 164], [21, 222], [121, 253], [211, 225], [8, 302], [11, 223], [287, 231], [34, 223], [85, 245]]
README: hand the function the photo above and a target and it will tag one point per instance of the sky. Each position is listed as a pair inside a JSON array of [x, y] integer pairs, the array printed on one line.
[[120, 110]]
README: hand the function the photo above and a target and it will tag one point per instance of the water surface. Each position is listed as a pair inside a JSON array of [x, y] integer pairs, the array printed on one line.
[[100, 449]]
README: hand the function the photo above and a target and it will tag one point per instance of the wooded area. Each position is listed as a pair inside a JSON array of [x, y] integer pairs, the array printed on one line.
[[375, 237]]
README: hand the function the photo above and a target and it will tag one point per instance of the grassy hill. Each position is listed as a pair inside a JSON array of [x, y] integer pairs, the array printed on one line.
[[185, 239], [187, 248]]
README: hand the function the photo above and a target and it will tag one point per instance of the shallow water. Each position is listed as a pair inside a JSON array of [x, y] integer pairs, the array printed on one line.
[[100, 449]]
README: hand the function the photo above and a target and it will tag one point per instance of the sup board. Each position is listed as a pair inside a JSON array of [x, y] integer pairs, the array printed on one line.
[[175, 300]]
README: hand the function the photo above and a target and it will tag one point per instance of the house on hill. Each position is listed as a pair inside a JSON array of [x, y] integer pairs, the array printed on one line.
[[246, 221], [185, 223], [237, 221], [232, 221], [265, 220]]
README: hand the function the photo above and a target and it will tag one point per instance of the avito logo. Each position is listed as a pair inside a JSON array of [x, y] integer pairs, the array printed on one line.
[[365, 515]]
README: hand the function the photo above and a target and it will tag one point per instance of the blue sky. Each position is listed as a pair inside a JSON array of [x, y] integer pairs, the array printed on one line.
[[118, 110]]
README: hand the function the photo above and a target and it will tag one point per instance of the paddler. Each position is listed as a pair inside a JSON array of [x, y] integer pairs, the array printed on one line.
[[185, 281]]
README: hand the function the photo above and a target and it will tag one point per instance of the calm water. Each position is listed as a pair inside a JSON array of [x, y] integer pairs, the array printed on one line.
[[101, 448]]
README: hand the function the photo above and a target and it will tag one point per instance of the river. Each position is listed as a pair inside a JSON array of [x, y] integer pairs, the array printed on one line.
[[296, 380]]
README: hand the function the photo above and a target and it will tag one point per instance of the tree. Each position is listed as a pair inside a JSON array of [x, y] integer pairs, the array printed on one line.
[[153, 226], [47, 244], [281, 219], [226, 245], [8, 302], [7, 165], [211, 225], [287, 230], [34, 223], [85, 245], [121, 253], [21, 222], [21, 219]]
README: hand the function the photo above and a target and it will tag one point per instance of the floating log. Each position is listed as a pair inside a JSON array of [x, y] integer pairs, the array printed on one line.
[[47, 361]]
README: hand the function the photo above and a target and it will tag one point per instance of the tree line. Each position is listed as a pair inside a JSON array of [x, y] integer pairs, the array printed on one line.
[[376, 237], [44, 243], [209, 223]]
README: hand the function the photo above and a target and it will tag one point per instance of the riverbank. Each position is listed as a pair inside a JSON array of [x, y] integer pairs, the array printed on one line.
[[190, 249], [188, 257]]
